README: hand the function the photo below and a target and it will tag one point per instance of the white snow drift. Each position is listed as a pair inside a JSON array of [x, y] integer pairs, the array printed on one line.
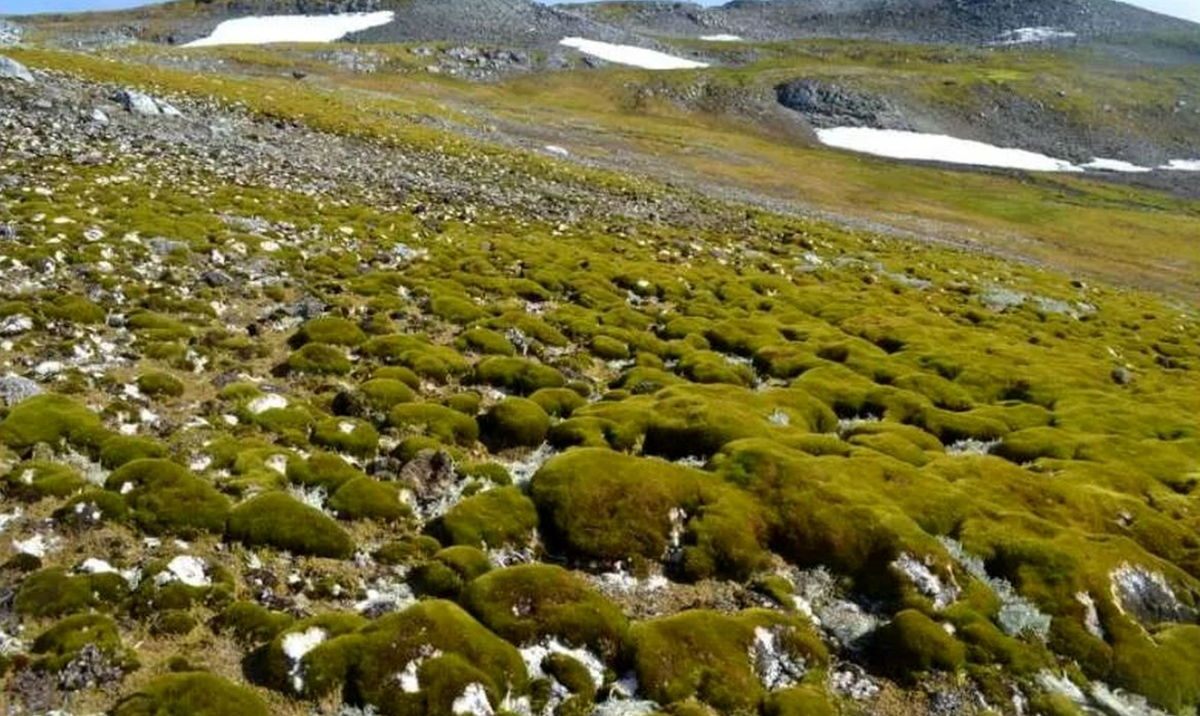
[[721, 38], [266, 29], [1026, 35], [898, 144], [630, 55], [1182, 165]]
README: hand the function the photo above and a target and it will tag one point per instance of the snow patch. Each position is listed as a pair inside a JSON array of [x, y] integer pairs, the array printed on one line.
[[186, 569], [472, 702], [721, 38], [266, 29], [1115, 165], [1182, 165], [899, 144], [295, 646], [630, 55], [271, 401], [1026, 35]]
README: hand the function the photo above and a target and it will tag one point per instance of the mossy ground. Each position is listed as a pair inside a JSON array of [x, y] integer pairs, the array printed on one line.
[[724, 405]]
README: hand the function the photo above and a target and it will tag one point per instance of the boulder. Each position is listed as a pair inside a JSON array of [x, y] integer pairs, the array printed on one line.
[[10, 69]]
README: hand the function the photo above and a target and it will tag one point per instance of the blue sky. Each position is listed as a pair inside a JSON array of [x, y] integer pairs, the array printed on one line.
[[1189, 9]]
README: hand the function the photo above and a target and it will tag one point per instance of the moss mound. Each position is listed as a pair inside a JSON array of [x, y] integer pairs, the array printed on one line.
[[330, 330], [62, 642], [600, 505], [514, 422], [438, 421], [912, 644], [194, 694], [160, 384], [527, 603], [319, 359], [276, 520], [53, 592], [496, 518], [707, 655], [36, 479], [51, 419], [519, 375], [470, 654], [349, 435], [163, 497], [364, 498]]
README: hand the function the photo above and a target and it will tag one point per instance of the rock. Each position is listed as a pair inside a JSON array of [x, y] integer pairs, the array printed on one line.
[[14, 389], [831, 105], [98, 116], [1122, 375], [10, 69], [15, 325], [136, 102], [430, 473], [163, 246]]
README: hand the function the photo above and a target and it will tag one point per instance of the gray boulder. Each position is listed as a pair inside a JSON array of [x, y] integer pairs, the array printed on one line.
[[14, 389], [136, 102], [10, 69]]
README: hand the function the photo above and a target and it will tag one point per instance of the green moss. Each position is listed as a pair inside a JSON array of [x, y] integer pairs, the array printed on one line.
[[319, 359], [194, 694], [558, 402], [600, 505], [382, 394], [110, 505], [807, 700], [418, 354], [364, 498], [1024, 446], [609, 348], [75, 309], [527, 603], [519, 375], [51, 419], [276, 520], [350, 435], [62, 642], [471, 654], [485, 341], [36, 479], [469, 562], [455, 309], [400, 373], [324, 667], [706, 655], [322, 469], [251, 623], [173, 622], [913, 644], [495, 518], [121, 449], [466, 403], [514, 422], [163, 497], [438, 421], [494, 473], [330, 330], [53, 592], [160, 384]]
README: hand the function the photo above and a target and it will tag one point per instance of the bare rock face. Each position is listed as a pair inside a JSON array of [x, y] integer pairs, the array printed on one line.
[[1147, 596], [10, 69]]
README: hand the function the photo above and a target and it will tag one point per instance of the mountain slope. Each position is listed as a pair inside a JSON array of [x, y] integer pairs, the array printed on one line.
[[971, 21]]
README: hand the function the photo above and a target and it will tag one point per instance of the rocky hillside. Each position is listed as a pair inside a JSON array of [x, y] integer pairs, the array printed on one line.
[[333, 385], [942, 21]]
